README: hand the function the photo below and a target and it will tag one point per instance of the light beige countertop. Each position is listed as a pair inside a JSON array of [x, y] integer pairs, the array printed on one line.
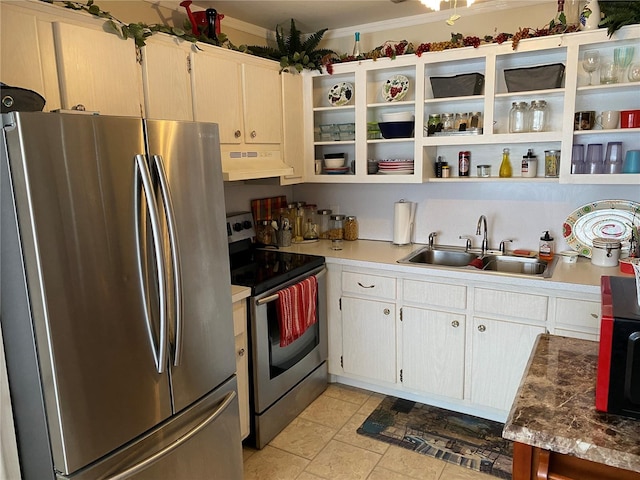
[[555, 407], [239, 293], [581, 276]]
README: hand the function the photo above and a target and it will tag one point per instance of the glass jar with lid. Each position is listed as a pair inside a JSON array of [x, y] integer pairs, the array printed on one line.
[[336, 227], [518, 117], [324, 216], [448, 121], [538, 114], [351, 228]]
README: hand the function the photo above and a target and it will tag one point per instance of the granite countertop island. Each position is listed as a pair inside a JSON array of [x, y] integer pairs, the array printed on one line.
[[554, 409]]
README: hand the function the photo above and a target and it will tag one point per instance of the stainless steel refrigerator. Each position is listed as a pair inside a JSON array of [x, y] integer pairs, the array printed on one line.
[[115, 299]]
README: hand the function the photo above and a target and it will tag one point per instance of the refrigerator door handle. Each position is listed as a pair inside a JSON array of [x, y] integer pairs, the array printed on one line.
[[179, 441], [147, 187], [175, 255]]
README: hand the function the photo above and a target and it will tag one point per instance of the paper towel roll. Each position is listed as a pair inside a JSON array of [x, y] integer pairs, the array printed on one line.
[[402, 222]]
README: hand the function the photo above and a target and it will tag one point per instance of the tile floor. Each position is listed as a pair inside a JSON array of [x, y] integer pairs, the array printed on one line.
[[322, 443]]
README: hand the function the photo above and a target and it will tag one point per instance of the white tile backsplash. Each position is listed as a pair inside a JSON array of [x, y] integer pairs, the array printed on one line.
[[521, 211]]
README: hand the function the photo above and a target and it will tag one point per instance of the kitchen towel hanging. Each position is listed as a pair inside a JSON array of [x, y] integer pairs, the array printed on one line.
[[404, 213], [296, 309]]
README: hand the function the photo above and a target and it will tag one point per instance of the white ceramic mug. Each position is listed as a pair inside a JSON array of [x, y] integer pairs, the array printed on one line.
[[609, 119]]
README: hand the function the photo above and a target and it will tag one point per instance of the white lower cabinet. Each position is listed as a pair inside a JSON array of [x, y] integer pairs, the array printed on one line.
[[499, 354], [433, 351], [578, 318], [242, 363], [369, 339]]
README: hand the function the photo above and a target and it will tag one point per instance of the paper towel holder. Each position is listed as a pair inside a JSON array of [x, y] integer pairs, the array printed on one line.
[[404, 237]]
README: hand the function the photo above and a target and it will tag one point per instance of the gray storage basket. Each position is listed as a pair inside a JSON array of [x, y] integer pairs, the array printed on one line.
[[541, 77], [458, 85]]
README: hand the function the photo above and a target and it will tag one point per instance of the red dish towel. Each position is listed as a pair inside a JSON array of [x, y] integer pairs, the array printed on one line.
[[296, 308]]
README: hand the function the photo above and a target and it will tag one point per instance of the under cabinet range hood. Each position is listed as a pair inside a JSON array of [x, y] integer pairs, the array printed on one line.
[[242, 162]]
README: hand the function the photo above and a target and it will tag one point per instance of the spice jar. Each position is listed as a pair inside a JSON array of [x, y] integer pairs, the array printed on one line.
[[336, 227], [351, 228], [265, 233], [324, 216]]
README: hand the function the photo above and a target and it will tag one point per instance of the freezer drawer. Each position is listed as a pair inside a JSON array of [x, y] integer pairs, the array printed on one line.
[[201, 442]]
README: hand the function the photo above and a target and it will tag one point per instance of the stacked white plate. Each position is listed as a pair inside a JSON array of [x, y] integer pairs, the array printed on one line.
[[395, 167]]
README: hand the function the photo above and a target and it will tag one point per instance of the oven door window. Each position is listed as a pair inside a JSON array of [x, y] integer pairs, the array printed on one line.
[[283, 358]]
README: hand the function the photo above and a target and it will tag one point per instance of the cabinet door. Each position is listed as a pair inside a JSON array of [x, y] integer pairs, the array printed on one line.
[[242, 363], [433, 351], [217, 94], [499, 354], [369, 339], [167, 85], [98, 70], [262, 104], [293, 127]]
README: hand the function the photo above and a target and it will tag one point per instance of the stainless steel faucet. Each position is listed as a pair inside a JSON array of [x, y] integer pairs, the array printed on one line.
[[482, 224], [432, 235]]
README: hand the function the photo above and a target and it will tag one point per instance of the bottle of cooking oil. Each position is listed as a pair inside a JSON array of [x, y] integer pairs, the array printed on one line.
[[505, 166]]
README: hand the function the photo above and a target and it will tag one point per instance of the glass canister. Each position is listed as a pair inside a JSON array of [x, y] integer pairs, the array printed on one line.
[[448, 121], [324, 216], [351, 228], [265, 233], [551, 163], [518, 117], [434, 120], [336, 227], [310, 228], [538, 114], [462, 121]]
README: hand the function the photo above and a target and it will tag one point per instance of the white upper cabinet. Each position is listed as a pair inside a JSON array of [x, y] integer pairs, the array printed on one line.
[[244, 98], [166, 79], [98, 70], [327, 122]]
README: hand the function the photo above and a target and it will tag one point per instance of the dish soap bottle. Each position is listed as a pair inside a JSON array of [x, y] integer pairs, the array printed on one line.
[[545, 251], [505, 166]]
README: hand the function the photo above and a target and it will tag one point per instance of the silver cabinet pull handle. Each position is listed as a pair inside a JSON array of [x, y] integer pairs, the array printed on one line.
[[237, 133], [241, 352], [594, 315], [152, 208], [481, 328], [455, 324], [366, 286], [386, 311], [253, 134]]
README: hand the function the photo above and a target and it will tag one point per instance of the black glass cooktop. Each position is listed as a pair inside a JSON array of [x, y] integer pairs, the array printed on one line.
[[263, 270]]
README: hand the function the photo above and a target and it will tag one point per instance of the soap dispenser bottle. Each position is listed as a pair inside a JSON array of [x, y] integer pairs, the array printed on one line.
[[546, 249]]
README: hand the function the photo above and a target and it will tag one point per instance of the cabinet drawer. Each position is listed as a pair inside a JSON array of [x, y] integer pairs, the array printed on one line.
[[578, 313], [435, 294], [370, 285], [511, 304]]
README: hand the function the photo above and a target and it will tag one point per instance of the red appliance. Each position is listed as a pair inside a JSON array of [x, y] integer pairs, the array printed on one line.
[[618, 379]]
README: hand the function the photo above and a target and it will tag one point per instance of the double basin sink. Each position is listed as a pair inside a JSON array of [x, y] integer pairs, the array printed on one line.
[[493, 262]]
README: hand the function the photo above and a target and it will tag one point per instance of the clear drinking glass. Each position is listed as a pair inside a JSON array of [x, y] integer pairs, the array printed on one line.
[[613, 158], [622, 57], [577, 159], [594, 162], [608, 73], [590, 63]]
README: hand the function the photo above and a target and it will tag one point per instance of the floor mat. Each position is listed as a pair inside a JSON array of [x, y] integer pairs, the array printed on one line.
[[465, 440]]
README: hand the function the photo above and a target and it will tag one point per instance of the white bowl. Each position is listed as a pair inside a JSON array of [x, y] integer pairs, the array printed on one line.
[[334, 162], [397, 117], [569, 256]]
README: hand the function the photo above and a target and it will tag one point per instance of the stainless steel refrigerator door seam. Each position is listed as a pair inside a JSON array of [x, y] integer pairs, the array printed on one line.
[[175, 256], [145, 177], [170, 448]]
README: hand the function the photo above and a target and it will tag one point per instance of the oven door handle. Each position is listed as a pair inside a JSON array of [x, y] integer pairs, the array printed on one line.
[[274, 297]]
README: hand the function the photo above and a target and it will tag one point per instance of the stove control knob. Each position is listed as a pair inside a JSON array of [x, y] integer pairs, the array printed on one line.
[[237, 226], [246, 224]]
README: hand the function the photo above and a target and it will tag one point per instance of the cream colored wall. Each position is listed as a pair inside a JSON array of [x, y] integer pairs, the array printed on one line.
[[479, 25], [137, 11]]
